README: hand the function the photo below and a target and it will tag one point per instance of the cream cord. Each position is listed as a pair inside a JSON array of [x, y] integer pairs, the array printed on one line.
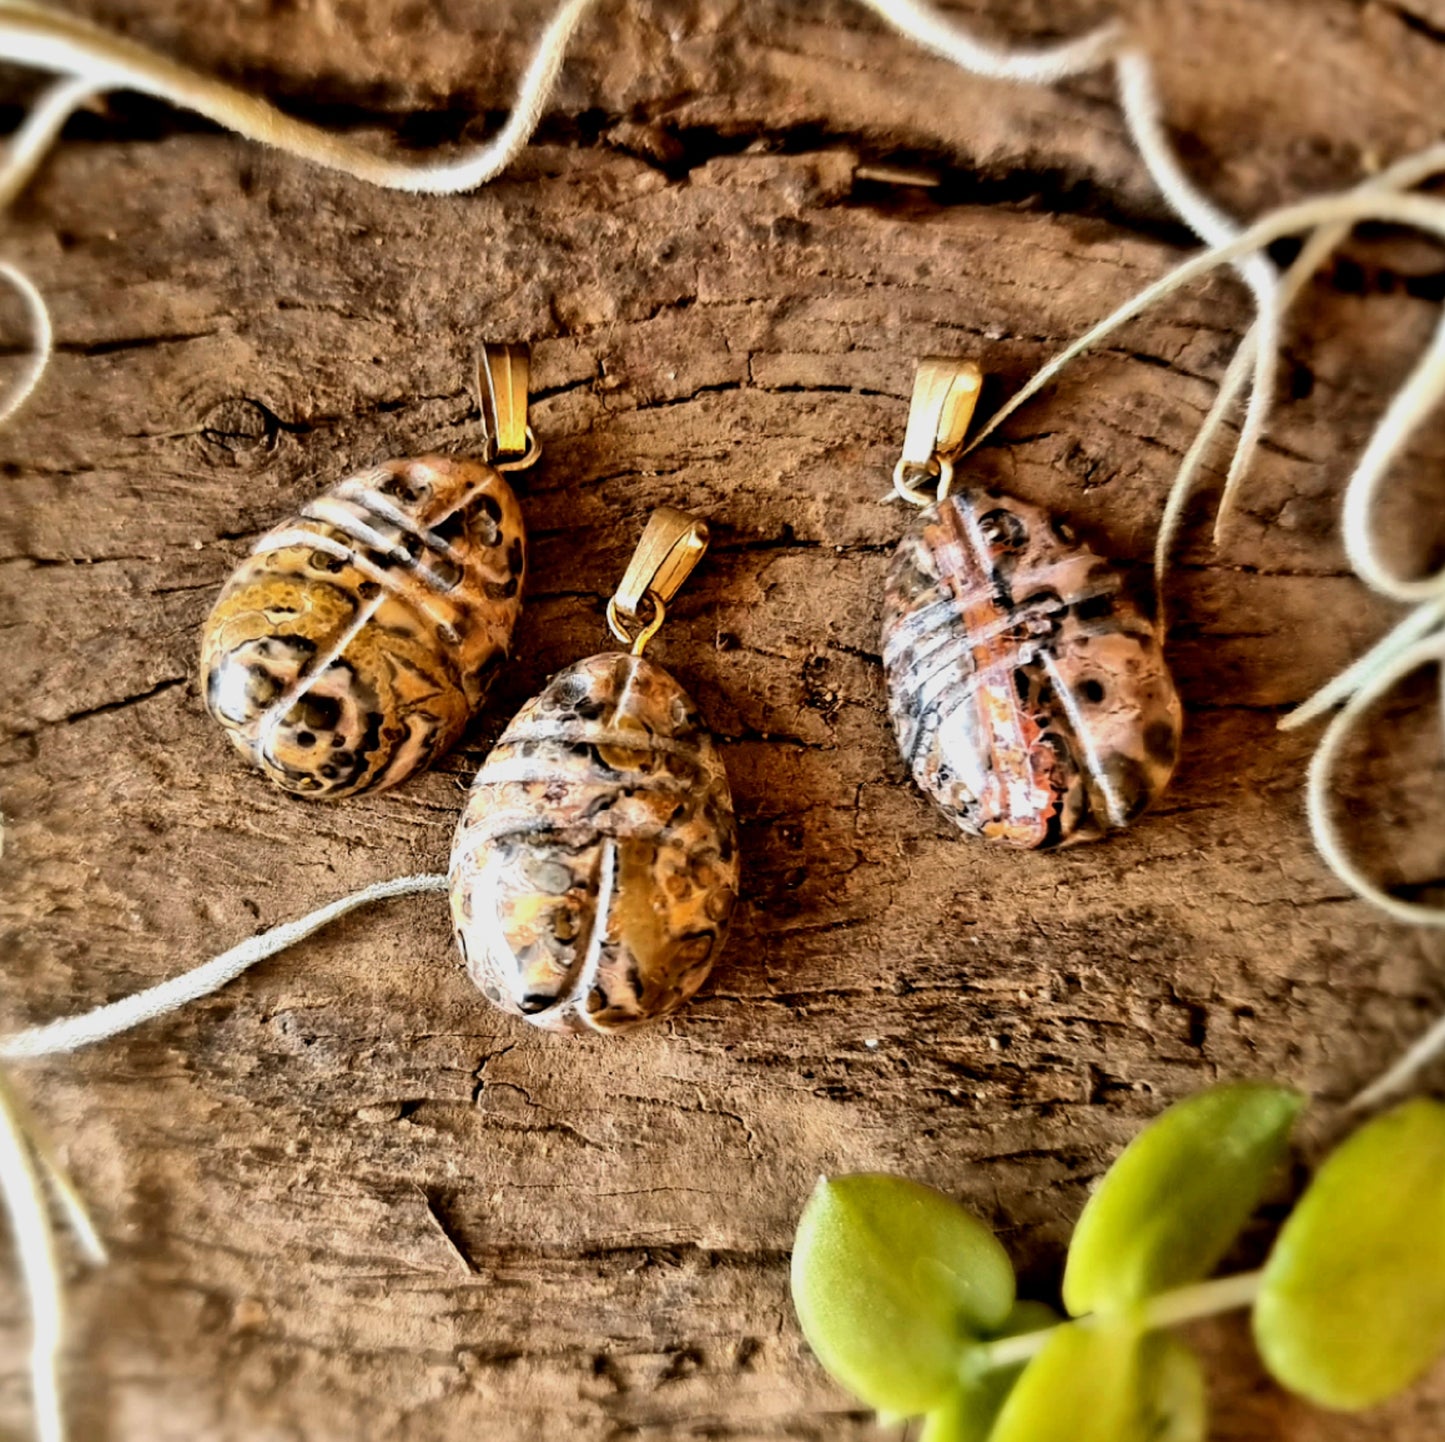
[[93, 60], [32, 34], [29, 1212], [26, 1157], [27, 148], [42, 340], [74, 1032]]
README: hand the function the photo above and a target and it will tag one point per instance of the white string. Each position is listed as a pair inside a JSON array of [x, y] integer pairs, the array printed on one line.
[[1139, 102], [29, 1213], [23, 155], [936, 32], [35, 35], [1418, 624], [39, 131], [42, 340], [1331, 217], [1349, 208], [73, 1032], [25, 1151], [1373, 674], [1420, 637], [1402, 1076], [1236, 378], [1142, 112], [95, 60], [1376, 683], [66, 1192], [1398, 654], [1402, 175], [1411, 404], [1417, 640]]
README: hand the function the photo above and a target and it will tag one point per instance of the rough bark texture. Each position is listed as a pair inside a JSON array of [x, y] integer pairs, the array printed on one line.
[[347, 1200]]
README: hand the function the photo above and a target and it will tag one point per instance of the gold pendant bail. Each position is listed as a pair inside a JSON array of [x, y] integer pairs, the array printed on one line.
[[502, 375], [671, 546], [945, 394]]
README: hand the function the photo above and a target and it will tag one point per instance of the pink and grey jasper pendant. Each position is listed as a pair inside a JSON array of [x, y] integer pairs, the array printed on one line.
[[1026, 677]]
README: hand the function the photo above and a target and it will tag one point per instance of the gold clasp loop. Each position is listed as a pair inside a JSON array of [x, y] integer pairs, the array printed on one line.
[[945, 393], [636, 644], [671, 546], [502, 374]]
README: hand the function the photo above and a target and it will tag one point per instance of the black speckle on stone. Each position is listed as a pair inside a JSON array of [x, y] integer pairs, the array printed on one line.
[[1161, 742]]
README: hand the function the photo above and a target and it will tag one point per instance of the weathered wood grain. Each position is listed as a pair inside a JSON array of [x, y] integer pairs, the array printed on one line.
[[347, 1200]]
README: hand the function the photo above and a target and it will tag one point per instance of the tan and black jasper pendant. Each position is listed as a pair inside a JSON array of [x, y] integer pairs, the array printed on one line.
[[1027, 683], [596, 864], [353, 645]]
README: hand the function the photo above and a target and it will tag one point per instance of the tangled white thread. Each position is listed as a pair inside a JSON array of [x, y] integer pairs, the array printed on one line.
[[92, 60]]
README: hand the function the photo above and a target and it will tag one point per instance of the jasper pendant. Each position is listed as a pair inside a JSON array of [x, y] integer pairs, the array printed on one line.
[[596, 864], [1026, 679], [351, 648]]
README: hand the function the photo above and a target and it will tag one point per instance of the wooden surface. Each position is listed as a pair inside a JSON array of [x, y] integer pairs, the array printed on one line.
[[347, 1200]]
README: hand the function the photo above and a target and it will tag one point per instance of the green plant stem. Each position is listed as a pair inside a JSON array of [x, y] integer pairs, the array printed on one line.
[[1203, 1299], [1169, 1309]]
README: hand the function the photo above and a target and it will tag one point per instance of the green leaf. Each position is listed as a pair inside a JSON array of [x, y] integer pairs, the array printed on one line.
[[1171, 1206], [1352, 1305], [1173, 1397], [891, 1282], [968, 1414], [1084, 1386], [1103, 1381]]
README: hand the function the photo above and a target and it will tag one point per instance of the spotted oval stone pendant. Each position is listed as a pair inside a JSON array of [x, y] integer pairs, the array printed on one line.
[[350, 649], [1027, 684], [596, 863]]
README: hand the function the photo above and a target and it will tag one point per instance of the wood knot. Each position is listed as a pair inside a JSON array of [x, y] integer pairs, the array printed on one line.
[[238, 430]]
